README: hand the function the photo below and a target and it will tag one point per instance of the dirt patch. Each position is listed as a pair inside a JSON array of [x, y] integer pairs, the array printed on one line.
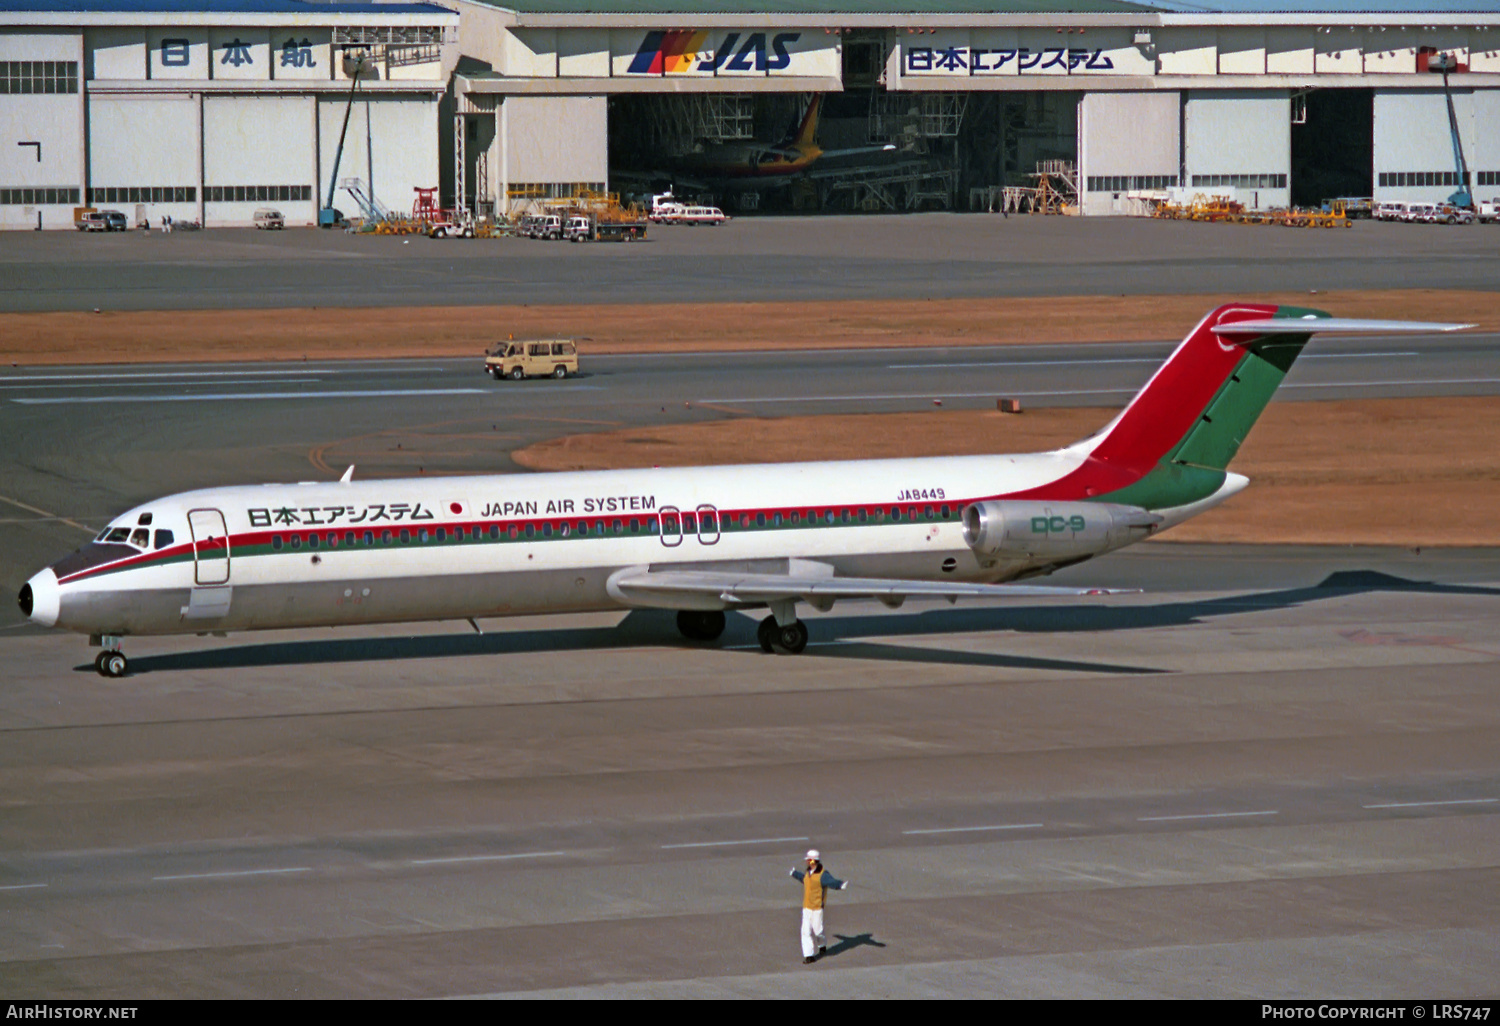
[[1410, 472], [320, 333]]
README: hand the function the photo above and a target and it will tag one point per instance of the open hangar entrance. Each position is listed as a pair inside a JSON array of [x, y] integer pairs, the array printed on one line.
[[878, 151], [1333, 144]]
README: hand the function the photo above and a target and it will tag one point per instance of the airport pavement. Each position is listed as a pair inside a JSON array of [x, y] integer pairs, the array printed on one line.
[[1270, 776], [765, 259]]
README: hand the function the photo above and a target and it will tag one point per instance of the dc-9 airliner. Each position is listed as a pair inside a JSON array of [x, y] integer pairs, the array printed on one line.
[[701, 540]]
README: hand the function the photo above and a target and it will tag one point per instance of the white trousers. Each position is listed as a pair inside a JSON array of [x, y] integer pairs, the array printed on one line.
[[812, 931]]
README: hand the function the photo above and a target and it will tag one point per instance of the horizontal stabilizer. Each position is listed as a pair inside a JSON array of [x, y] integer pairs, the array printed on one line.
[[757, 587], [1331, 325]]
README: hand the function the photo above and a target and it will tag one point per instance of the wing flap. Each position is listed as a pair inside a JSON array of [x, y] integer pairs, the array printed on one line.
[[733, 588]]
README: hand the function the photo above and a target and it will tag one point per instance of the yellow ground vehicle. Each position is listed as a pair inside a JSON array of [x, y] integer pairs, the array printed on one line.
[[536, 358]]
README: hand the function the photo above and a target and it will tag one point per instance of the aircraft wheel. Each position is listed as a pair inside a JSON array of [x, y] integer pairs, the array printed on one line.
[[99, 662], [766, 634], [700, 625], [517, 374], [791, 639], [112, 664]]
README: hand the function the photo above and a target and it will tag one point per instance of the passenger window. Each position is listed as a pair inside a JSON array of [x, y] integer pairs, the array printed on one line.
[[422, 536], [439, 534], [276, 542], [689, 523], [163, 539], [369, 537], [547, 530], [333, 539], [539, 350], [141, 538], [558, 349], [296, 541], [405, 536], [313, 539]]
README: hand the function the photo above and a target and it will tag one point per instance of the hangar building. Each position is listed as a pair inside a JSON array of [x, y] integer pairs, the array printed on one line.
[[1279, 100], [204, 110]]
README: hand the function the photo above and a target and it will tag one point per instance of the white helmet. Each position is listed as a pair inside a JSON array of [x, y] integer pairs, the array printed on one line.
[[812, 853]]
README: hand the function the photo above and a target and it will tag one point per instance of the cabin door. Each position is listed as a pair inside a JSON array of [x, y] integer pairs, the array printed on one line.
[[210, 546]]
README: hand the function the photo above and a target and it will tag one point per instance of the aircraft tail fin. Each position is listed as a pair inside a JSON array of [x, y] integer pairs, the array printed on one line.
[[807, 132], [1183, 427]]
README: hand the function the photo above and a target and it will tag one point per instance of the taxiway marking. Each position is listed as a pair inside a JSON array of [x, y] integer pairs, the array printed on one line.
[[1204, 815], [1415, 805], [22, 887], [722, 844], [45, 515], [1129, 359], [1131, 390], [234, 872], [975, 829], [232, 396], [487, 858]]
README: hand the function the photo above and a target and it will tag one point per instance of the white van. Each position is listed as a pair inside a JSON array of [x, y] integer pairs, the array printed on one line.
[[701, 215], [1389, 210], [269, 219]]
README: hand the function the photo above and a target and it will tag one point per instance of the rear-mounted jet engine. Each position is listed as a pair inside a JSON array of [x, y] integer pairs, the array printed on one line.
[[1052, 531]]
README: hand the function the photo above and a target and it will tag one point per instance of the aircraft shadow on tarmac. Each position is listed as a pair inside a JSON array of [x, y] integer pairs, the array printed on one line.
[[838, 637]]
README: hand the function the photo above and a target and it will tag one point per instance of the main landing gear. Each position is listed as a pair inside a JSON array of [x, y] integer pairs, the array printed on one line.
[[781, 632], [111, 662], [700, 625], [784, 639]]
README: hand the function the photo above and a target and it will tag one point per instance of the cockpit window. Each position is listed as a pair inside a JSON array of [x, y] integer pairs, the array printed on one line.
[[163, 539], [145, 520], [118, 534], [141, 538]]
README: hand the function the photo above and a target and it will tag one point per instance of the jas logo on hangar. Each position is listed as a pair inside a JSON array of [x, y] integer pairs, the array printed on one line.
[[683, 50]]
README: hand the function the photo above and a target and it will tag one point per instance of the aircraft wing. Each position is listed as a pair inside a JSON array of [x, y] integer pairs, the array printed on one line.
[[652, 587]]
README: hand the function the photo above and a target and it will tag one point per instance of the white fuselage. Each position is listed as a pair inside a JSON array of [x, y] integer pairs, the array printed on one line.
[[446, 548]]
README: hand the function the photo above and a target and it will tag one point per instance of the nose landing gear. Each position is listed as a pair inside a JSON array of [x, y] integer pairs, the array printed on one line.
[[111, 662]]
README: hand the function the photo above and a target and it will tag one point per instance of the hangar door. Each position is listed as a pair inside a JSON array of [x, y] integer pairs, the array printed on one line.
[[258, 152], [1240, 140], [1127, 143], [143, 156], [392, 148], [1414, 157]]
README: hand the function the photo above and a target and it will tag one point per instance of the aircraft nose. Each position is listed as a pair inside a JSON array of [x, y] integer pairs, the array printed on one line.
[[41, 598]]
